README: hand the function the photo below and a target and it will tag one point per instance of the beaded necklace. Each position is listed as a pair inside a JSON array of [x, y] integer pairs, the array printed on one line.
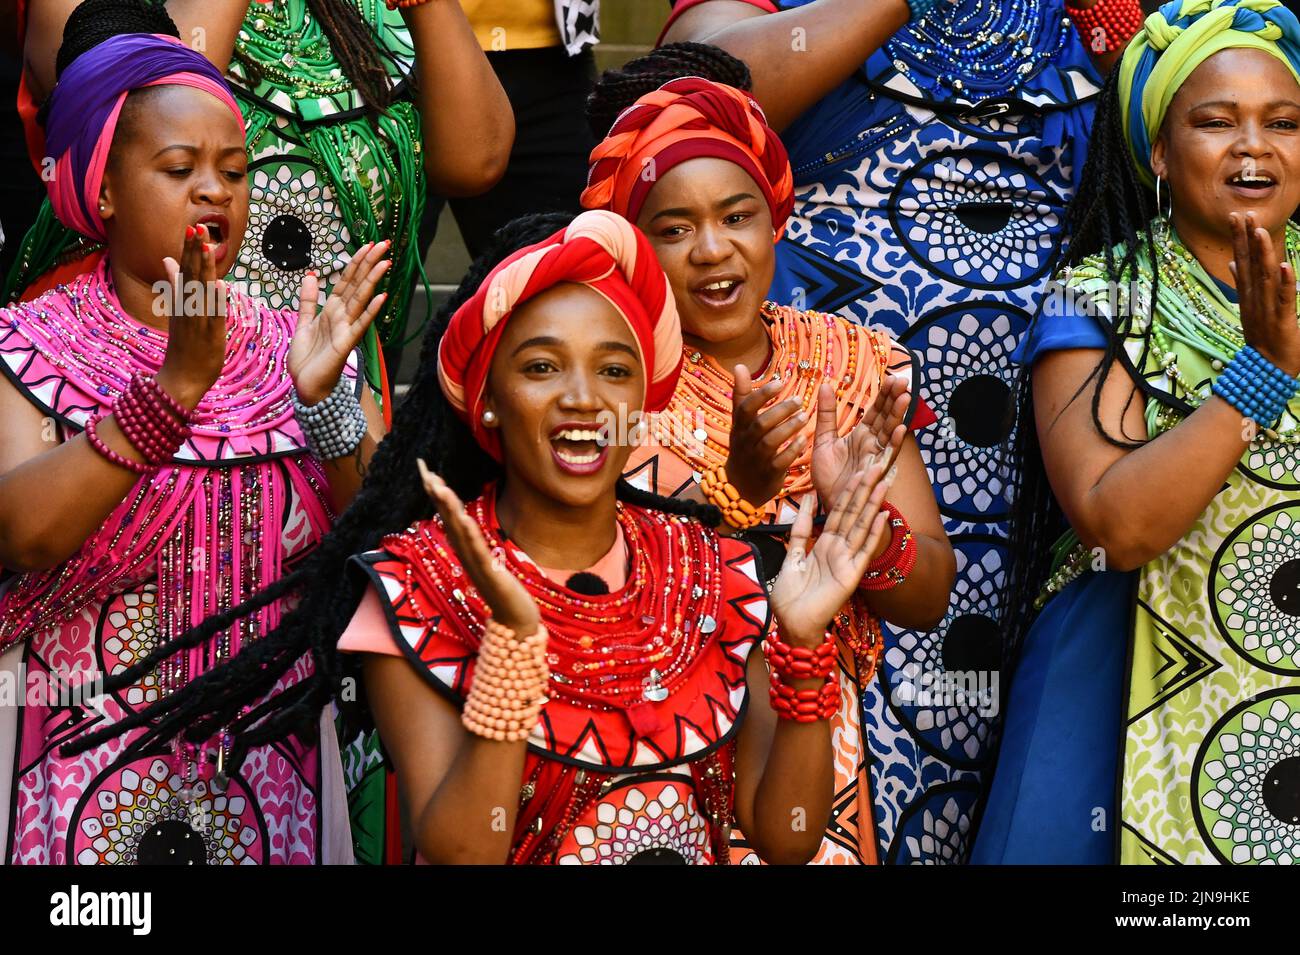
[[1200, 318], [619, 650], [807, 349], [208, 535], [978, 50], [289, 47]]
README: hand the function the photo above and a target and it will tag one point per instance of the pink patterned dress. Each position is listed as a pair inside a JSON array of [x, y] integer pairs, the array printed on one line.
[[242, 503]]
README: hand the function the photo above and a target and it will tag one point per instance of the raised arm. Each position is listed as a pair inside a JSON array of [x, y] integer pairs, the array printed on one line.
[[467, 122], [784, 770], [796, 56], [1136, 504], [209, 26], [54, 496], [462, 789]]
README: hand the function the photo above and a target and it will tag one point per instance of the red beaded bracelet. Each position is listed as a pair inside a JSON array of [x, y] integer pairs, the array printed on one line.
[[153, 421], [892, 567], [805, 706], [98, 444], [800, 663], [1107, 25]]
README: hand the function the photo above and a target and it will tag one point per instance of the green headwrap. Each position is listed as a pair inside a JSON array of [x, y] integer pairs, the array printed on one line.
[[1178, 38]]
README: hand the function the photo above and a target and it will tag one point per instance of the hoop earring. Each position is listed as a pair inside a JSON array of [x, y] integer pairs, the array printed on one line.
[[1162, 221]]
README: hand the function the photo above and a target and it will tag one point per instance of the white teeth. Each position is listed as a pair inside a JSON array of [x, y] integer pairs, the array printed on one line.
[[572, 435], [719, 286], [577, 458], [1252, 179]]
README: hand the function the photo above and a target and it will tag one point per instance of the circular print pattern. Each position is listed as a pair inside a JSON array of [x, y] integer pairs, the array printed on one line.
[[945, 684], [1255, 586], [294, 223], [135, 814], [936, 829], [967, 378], [1274, 464], [1246, 782], [980, 219], [128, 630], [650, 822]]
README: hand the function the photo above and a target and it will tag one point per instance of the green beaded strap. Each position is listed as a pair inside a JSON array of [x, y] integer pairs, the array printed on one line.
[[48, 243], [1070, 561]]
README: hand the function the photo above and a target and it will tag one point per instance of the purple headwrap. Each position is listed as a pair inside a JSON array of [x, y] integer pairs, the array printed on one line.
[[86, 103]]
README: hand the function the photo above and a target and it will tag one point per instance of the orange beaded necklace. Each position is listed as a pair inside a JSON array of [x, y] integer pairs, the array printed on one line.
[[807, 349]]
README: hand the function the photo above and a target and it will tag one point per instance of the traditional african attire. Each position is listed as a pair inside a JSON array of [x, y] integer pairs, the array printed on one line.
[[631, 763], [929, 189], [689, 118], [241, 503], [1207, 701]]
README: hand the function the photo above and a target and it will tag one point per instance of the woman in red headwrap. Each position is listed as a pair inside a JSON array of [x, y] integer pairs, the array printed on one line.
[[561, 670], [775, 406]]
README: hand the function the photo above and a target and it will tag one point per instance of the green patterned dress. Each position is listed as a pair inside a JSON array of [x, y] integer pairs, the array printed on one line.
[[1211, 751]]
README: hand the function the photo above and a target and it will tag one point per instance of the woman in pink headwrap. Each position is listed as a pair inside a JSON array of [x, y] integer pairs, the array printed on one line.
[[166, 449], [776, 406]]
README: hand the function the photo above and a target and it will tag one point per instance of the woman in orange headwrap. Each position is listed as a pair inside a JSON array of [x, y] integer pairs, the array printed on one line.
[[776, 406]]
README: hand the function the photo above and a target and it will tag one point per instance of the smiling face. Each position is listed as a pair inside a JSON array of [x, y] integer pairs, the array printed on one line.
[[1230, 142], [178, 158], [567, 363], [712, 232]]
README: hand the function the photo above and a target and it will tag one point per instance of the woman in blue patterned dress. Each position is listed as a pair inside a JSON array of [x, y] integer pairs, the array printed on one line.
[[933, 154]]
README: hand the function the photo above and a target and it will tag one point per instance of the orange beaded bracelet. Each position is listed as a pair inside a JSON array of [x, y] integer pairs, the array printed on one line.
[[509, 686], [722, 494]]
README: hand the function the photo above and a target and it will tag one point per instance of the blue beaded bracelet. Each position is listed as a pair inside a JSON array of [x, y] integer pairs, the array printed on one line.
[[1255, 386]]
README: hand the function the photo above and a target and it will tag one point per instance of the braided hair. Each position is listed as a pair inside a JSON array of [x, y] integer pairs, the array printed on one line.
[[1109, 216], [391, 498], [616, 90], [359, 56], [94, 21]]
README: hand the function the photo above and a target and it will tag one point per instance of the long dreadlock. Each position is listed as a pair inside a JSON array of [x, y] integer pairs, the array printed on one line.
[[391, 498], [616, 90], [1110, 215]]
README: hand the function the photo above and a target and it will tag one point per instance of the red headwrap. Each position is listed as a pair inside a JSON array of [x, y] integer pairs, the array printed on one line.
[[600, 250], [685, 119]]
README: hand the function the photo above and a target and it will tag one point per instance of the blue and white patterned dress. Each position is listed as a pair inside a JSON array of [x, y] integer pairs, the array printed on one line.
[[941, 227]]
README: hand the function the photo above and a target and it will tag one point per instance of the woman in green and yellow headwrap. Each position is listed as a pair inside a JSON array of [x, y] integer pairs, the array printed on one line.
[[1171, 440]]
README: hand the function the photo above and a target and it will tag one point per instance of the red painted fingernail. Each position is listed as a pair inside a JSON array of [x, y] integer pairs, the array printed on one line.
[[189, 232]]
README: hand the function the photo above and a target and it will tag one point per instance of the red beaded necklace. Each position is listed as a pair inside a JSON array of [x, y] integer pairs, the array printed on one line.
[[619, 650]]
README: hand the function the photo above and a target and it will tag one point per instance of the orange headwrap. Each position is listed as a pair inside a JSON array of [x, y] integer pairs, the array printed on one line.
[[685, 119], [600, 250]]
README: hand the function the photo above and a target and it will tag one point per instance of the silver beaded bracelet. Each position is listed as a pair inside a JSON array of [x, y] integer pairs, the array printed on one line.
[[333, 427]]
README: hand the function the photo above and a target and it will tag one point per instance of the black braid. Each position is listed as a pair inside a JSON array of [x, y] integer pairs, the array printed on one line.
[[616, 90], [354, 45], [1110, 215], [94, 21], [391, 498]]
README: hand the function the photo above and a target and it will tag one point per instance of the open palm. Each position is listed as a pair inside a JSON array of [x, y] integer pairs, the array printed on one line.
[[813, 586], [324, 338], [836, 458], [509, 600]]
